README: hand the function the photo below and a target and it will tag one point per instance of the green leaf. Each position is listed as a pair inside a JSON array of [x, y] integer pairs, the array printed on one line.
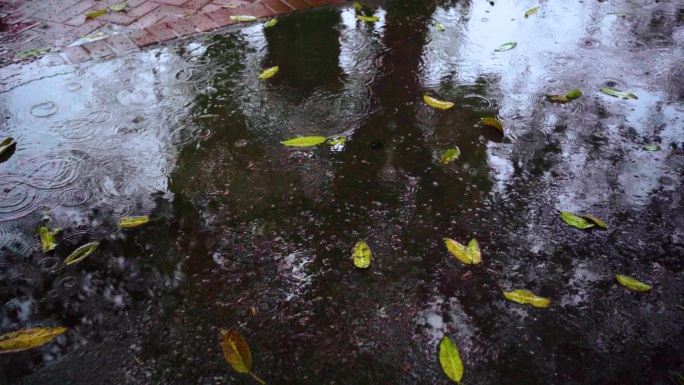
[[597, 221], [574, 220], [270, 23], [442, 105], [526, 297], [236, 352], [267, 73], [95, 14], [439, 27], [506, 46], [33, 52], [47, 238], [619, 94], [362, 255], [531, 12], [450, 359], [493, 122], [450, 155], [470, 255], [243, 18], [647, 148], [81, 253], [133, 221], [631, 283], [6, 145], [368, 19], [572, 95], [304, 141], [118, 7], [557, 98], [358, 6], [28, 339]]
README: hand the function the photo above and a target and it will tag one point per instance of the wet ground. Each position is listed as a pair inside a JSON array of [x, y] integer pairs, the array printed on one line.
[[188, 134]]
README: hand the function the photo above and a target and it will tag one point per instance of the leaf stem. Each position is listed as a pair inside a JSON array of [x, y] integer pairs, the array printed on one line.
[[257, 378]]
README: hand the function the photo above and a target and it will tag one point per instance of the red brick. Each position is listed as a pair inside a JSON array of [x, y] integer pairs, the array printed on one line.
[[316, 3], [161, 32], [221, 17], [176, 3], [137, 3], [75, 55], [55, 28], [182, 27], [116, 18], [142, 38], [18, 16], [299, 5], [149, 19], [51, 15], [257, 9], [202, 22], [98, 49], [211, 7], [81, 7], [76, 21], [85, 29], [121, 44], [276, 6], [196, 4], [143, 9], [13, 7], [335, 1]]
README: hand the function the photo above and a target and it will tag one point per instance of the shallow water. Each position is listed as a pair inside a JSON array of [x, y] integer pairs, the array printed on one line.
[[255, 236]]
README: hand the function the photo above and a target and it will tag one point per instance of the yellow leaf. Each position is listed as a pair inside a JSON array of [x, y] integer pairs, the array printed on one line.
[[304, 141], [133, 221], [598, 222], [473, 252], [243, 18], [525, 296], [368, 19], [450, 359], [493, 122], [531, 12], [362, 255], [95, 14], [118, 7], [28, 339], [631, 283], [470, 255], [265, 74], [442, 105], [81, 253], [236, 351]]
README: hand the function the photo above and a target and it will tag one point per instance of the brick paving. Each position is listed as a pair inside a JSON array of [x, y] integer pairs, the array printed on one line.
[[39, 25]]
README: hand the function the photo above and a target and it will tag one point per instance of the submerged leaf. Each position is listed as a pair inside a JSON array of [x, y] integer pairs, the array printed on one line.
[[270, 23], [236, 351], [597, 221], [118, 7], [243, 18], [362, 255], [450, 359], [28, 339], [493, 122], [267, 73], [619, 94], [526, 297], [647, 148], [450, 155], [95, 14], [133, 221], [574, 220], [81, 253], [368, 19], [304, 141], [47, 237], [439, 27], [557, 98], [6, 144], [531, 12], [631, 283], [442, 105], [358, 6], [469, 255], [572, 95], [506, 46]]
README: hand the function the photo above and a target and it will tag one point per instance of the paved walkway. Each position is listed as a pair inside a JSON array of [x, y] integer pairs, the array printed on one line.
[[31, 27]]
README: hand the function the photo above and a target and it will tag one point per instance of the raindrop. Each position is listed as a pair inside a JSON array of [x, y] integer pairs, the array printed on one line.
[[43, 110], [71, 87]]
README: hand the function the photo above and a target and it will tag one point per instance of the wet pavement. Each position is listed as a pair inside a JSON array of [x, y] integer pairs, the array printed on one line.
[[255, 236]]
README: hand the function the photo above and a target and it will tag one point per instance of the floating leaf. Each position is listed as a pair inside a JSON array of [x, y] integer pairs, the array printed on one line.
[[493, 122], [575, 220], [47, 238], [133, 221], [358, 6], [442, 105], [618, 14], [506, 46], [237, 353], [304, 141], [450, 359], [470, 255], [243, 18], [95, 14], [450, 155], [572, 95], [28, 339], [557, 98], [597, 221], [631, 283], [81, 253], [270, 23], [439, 27], [531, 12], [525, 296], [362, 255], [267, 73], [6, 145], [647, 148], [33, 52], [618, 94], [118, 7], [368, 19]]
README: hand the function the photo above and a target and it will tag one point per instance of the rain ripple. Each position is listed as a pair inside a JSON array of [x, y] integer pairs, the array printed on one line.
[[18, 199]]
